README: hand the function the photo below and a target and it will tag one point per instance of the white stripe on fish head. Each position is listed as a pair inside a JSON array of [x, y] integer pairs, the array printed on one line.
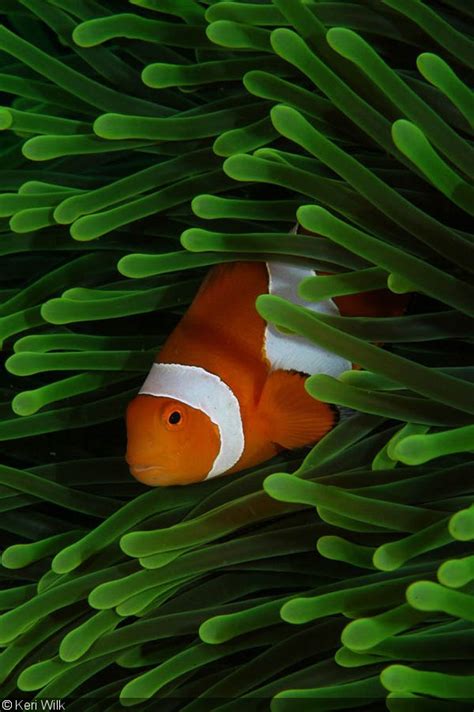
[[196, 387]]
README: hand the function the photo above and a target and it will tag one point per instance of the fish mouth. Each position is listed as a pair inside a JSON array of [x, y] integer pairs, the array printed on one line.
[[142, 468], [151, 475]]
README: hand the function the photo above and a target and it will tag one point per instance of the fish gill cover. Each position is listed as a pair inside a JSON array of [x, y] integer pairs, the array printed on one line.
[[141, 143]]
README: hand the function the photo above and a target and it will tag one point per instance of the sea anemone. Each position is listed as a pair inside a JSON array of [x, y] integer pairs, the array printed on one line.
[[141, 143]]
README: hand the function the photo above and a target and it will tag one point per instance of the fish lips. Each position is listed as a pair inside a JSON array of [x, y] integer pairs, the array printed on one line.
[[151, 475]]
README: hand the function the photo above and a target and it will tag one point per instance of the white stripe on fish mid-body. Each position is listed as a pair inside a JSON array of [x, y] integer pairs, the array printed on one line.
[[292, 352], [196, 387]]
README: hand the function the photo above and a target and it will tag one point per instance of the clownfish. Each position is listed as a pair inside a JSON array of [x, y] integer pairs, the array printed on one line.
[[226, 392]]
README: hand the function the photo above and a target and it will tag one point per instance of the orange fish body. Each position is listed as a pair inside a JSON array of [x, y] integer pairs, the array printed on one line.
[[226, 392]]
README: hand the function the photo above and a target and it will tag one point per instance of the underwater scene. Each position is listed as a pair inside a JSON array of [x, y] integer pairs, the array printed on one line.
[[237, 373]]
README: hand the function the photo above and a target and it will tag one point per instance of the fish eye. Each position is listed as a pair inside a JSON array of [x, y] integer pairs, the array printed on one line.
[[174, 418]]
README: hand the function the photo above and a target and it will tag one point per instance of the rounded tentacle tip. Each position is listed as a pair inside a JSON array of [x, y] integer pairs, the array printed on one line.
[[424, 595], [283, 117], [277, 485], [283, 39], [404, 132], [199, 205], [102, 597], [107, 126], [69, 651], [384, 560], [136, 544], [194, 239], [84, 35], [83, 229], [456, 573], [239, 166], [413, 450], [12, 557], [310, 217], [6, 119], [209, 631], [394, 678], [343, 40], [360, 634], [428, 64], [32, 149], [293, 612], [461, 525], [125, 266], [26, 403], [130, 696], [66, 560], [17, 364]]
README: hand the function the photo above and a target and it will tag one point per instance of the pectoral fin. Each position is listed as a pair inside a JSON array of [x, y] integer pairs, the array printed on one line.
[[294, 418]]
